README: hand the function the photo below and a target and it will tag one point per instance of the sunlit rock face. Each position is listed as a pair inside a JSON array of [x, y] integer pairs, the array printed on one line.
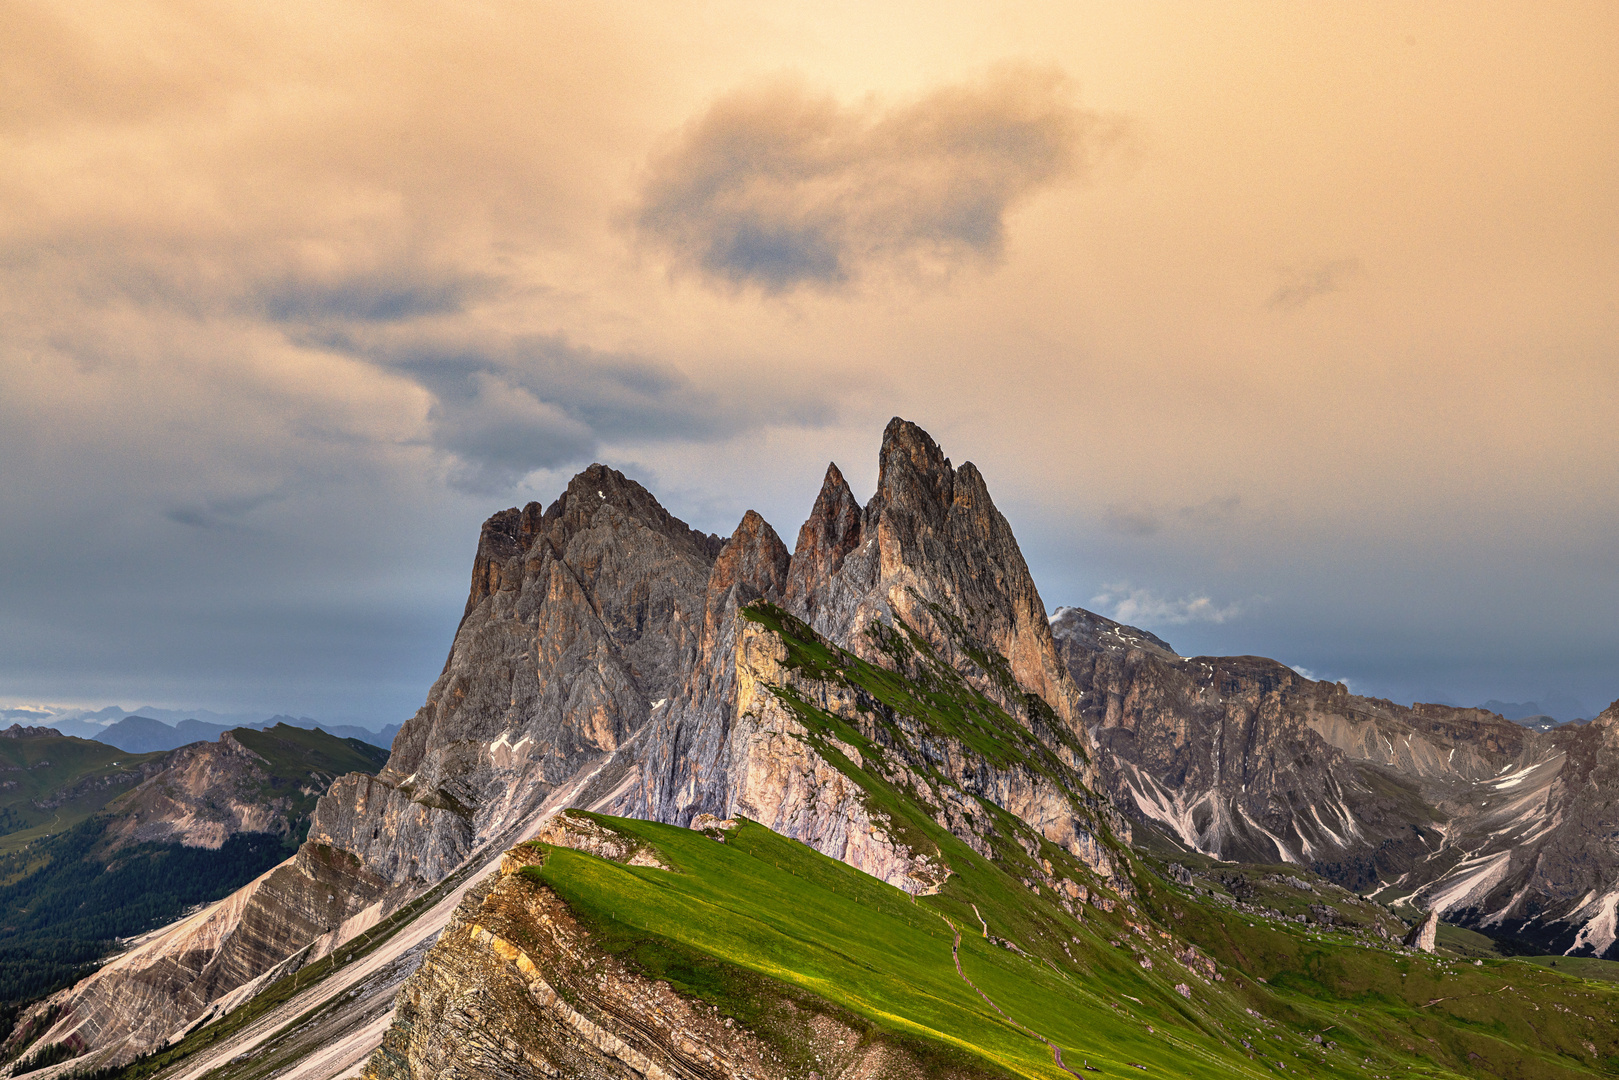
[[579, 618], [931, 549], [607, 656], [929, 553]]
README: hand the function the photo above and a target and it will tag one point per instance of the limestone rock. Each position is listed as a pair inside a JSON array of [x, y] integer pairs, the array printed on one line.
[[571, 829], [931, 549], [516, 988], [400, 839], [205, 793], [133, 1004], [1423, 934]]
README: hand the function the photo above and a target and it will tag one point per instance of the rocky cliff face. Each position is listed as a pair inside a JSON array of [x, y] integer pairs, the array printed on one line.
[[579, 619], [199, 796], [927, 579], [204, 794], [601, 633], [931, 550], [135, 1003], [580, 615], [1456, 810]]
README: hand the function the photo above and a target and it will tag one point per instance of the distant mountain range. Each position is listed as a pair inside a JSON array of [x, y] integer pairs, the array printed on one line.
[[1559, 710], [146, 729]]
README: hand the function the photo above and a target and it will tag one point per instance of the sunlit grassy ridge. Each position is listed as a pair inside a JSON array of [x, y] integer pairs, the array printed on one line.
[[778, 908], [774, 907]]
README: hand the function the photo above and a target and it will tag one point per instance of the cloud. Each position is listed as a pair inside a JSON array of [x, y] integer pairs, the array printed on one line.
[[1301, 284], [505, 407], [777, 187], [1133, 520], [1143, 607], [501, 433], [1146, 520], [219, 511], [389, 297]]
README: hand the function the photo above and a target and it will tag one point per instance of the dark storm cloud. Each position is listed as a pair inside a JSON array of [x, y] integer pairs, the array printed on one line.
[[216, 511], [778, 187], [506, 409]]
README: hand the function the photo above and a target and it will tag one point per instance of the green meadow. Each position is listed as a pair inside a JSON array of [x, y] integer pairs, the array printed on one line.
[[755, 910]]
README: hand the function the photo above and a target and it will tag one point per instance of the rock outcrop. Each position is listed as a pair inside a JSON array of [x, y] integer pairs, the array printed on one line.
[[20, 731], [579, 616], [931, 558], [1424, 934], [929, 549], [204, 794], [133, 1004]]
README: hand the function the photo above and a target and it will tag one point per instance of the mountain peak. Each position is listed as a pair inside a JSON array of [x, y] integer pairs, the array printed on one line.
[[18, 731], [828, 535], [598, 487], [754, 556], [911, 469]]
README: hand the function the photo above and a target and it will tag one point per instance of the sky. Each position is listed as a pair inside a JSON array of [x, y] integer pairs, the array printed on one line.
[[1278, 329]]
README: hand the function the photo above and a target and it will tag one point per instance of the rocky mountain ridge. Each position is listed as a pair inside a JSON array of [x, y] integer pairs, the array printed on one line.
[[604, 651], [1493, 825], [102, 844], [890, 693]]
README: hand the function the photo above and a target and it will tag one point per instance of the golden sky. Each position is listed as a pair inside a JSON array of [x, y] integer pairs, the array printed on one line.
[[1281, 328]]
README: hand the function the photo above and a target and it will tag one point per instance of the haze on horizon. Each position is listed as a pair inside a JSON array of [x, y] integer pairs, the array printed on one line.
[[1275, 329]]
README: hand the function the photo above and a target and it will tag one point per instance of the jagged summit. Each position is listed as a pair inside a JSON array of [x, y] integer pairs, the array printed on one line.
[[930, 549], [892, 694], [18, 731], [826, 538]]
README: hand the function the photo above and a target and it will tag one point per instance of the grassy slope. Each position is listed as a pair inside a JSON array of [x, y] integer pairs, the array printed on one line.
[[778, 908], [302, 763], [775, 907], [33, 770]]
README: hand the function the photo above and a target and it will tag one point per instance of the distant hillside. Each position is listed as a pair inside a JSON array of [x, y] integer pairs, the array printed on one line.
[[97, 844]]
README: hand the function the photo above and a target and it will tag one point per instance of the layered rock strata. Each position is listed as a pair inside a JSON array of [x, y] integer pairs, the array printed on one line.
[[516, 988], [931, 558]]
